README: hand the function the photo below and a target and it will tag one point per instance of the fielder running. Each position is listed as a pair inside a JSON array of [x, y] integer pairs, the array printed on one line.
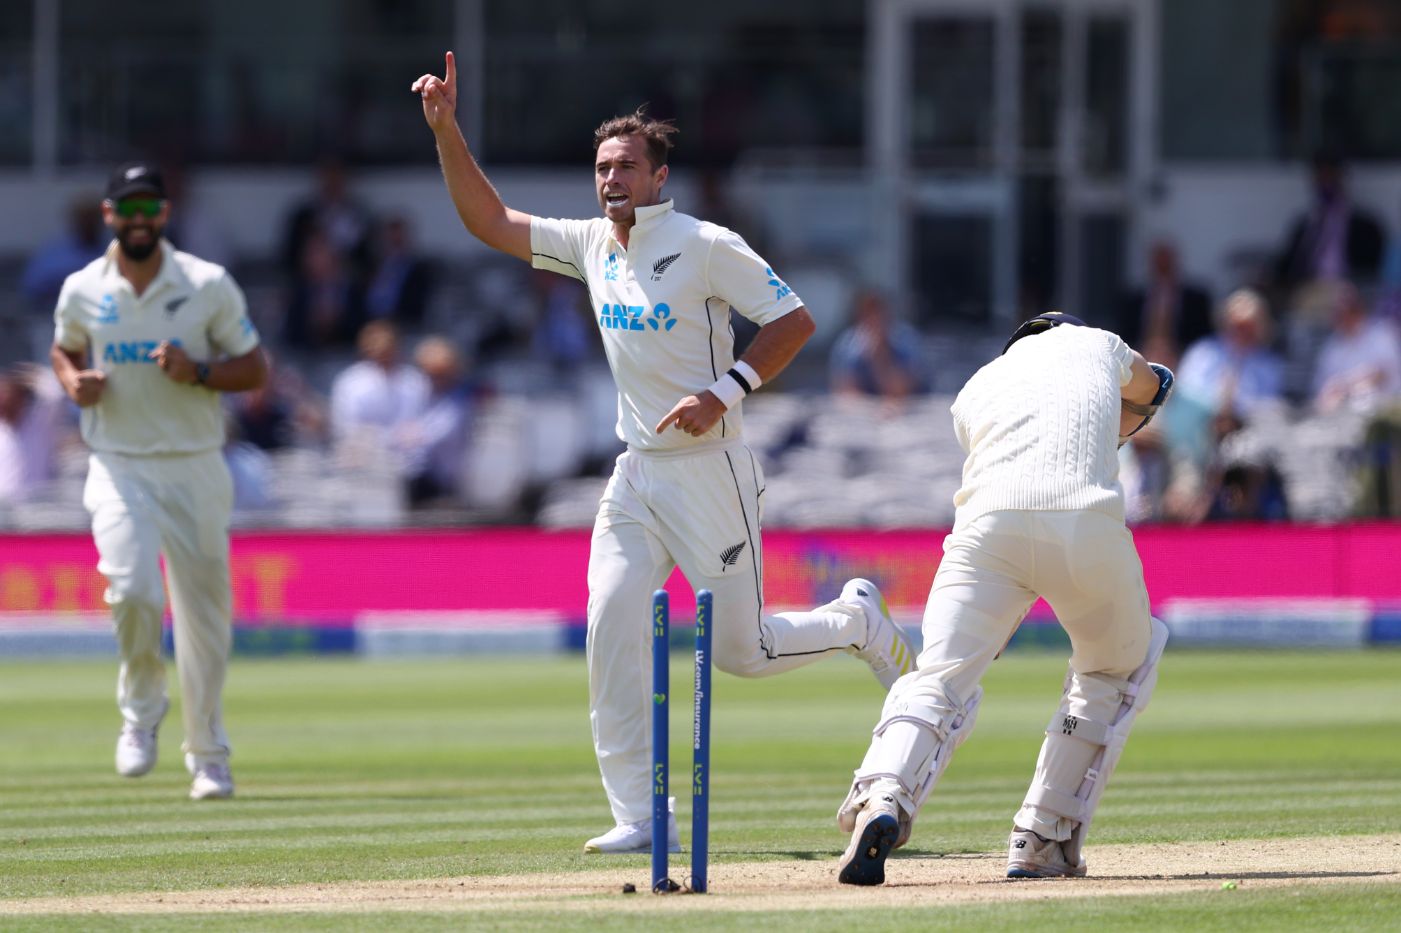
[[686, 492], [146, 338], [1040, 513]]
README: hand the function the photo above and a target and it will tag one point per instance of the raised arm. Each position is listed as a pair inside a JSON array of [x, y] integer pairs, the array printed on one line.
[[480, 207]]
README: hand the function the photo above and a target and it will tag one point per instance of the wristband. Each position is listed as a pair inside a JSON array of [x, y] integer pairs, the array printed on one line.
[[746, 376], [202, 373], [728, 390]]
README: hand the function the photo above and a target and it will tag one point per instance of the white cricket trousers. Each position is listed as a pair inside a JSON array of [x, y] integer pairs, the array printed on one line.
[[700, 512], [1085, 566], [176, 506]]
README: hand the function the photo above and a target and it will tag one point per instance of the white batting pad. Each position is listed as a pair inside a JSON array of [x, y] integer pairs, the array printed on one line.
[[1082, 749], [923, 722]]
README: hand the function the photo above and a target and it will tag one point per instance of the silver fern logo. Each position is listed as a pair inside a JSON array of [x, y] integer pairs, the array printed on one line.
[[731, 554], [661, 265]]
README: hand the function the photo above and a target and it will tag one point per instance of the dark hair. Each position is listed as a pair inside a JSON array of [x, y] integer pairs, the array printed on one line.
[[655, 133]]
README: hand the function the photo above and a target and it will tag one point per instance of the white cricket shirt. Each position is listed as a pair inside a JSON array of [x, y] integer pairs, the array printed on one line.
[[191, 302], [663, 310], [1040, 425]]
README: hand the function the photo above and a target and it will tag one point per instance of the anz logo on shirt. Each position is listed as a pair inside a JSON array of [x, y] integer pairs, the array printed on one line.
[[119, 352], [636, 317]]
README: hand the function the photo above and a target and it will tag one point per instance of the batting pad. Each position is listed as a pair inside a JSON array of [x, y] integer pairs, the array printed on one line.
[[913, 744], [1068, 739]]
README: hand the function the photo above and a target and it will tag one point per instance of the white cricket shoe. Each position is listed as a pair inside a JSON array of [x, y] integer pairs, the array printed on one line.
[[874, 836], [136, 748], [1031, 856], [887, 650], [213, 781], [637, 837]]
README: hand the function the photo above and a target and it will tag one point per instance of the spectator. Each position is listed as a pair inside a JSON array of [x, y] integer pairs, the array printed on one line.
[[402, 281], [282, 413], [1167, 314], [1224, 381], [877, 356], [343, 222], [1360, 363], [1249, 492], [564, 333], [1389, 302], [1234, 371], [375, 397], [55, 260], [31, 409], [327, 305], [435, 442], [191, 228], [1335, 239]]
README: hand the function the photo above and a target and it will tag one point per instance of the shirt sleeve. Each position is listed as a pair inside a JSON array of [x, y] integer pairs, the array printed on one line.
[[1122, 355], [70, 333], [559, 245], [230, 329], [737, 275]]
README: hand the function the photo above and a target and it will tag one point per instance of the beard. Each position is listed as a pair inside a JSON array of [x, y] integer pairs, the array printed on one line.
[[139, 252]]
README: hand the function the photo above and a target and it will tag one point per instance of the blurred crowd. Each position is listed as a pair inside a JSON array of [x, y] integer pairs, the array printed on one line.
[[1288, 402]]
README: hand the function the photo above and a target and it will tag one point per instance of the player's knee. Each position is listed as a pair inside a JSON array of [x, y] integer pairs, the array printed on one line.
[[131, 596], [741, 661], [615, 602]]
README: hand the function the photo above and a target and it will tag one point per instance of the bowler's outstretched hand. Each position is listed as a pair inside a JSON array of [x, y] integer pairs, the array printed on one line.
[[439, 95]]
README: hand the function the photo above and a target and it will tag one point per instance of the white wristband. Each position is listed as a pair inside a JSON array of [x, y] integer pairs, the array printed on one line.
[[750, 376], [727, 390]]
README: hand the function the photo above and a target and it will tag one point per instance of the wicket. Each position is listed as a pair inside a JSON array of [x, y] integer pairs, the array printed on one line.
[[700, 743]]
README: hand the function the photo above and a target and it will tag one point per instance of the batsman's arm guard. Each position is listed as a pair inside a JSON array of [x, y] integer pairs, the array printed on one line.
[[1166, 381]]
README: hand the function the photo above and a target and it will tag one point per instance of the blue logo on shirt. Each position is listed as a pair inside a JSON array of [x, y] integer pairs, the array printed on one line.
[[131, 351], [632, 317], [777, 283], [610, 268], [107, 310]]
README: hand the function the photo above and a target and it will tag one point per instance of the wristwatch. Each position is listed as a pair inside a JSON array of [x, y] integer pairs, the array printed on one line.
[[202, 373]]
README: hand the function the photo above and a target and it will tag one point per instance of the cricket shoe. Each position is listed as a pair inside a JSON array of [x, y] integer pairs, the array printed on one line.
[[213, 781], [1031, 856], [877, 829], [887, 650], [136, 748], [637, 836]]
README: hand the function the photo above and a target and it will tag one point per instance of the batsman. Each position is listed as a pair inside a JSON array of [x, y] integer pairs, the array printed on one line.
[[1040, 513]]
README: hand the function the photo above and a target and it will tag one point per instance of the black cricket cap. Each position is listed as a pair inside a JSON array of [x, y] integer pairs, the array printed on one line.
[[1040, 324], [132, 178]]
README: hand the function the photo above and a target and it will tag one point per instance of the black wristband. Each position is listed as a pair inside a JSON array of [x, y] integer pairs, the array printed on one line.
[[743, 382], [202, 373]]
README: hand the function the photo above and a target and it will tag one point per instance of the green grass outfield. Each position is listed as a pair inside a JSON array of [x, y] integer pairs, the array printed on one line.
[[358, 771]]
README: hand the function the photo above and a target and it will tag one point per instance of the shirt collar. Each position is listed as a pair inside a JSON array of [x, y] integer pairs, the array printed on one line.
[[169, 273], [645, 218]]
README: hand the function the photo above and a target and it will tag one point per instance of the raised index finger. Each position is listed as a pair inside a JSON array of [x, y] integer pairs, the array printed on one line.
[[450, 75]]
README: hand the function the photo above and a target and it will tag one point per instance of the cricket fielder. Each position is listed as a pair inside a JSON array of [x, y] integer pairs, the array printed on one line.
[[145, 339], [1040, 513], [686, 492]]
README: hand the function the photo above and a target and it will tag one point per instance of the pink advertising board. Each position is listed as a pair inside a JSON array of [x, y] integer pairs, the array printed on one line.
[[330, 576]]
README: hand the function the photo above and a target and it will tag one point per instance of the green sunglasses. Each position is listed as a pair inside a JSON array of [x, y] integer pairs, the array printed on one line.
[[146, 207]]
